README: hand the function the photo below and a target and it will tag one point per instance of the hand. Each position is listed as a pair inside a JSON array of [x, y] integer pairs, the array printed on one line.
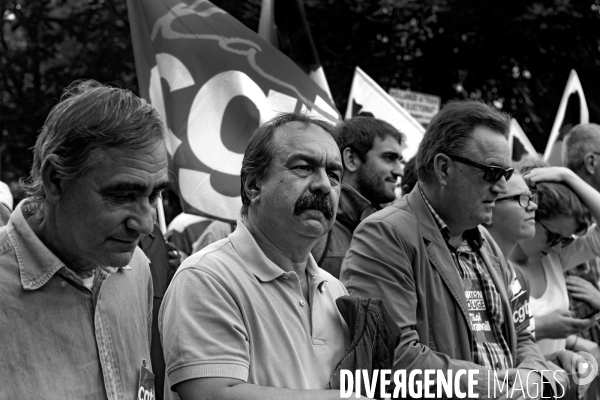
[[173, 255], [559, 325], [547, 174], [588, 346], [583, 290]]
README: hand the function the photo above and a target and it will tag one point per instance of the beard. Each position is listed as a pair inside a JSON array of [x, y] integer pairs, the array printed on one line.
[[373, 187]]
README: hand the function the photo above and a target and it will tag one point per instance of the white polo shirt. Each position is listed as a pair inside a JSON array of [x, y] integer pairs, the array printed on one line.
[[231, 312]]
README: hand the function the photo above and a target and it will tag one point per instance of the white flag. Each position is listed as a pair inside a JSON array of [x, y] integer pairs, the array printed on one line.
[[368, 98]]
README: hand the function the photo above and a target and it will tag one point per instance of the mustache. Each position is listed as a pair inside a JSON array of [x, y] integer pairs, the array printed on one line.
[[311, 201]]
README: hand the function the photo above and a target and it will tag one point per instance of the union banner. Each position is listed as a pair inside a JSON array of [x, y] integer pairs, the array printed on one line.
[[214, 81]]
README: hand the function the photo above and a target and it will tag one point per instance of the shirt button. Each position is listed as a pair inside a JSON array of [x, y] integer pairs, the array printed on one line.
[[63, 284], [302, 303], [498, 366]]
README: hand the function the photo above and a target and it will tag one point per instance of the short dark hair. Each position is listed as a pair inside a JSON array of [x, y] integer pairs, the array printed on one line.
[[359, 133], [410, 175], [555, 199], [90, 116], [451, 130], [580, 140], [259, 151]]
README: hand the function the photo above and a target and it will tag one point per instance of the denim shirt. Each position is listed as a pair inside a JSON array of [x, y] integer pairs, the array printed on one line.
[[60, 340]]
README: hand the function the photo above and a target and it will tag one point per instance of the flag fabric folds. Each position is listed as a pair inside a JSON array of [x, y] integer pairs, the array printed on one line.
[[214, 81], [367, 98], [518, 142], [283, 23], [573, 110]]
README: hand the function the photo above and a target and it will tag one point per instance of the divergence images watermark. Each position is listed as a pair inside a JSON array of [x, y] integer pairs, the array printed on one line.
[[463, 383]]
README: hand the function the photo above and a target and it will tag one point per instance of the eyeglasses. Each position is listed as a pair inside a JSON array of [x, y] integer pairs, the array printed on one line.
[[554, 238], [523, 199], [491, 173]]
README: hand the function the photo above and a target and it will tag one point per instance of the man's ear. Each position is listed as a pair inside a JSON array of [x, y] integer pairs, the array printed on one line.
[[53, 185], [252, 189], [442, 167], [589, 163], [351, 160]]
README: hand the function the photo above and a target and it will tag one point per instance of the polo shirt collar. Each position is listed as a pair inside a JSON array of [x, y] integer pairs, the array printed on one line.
[[256, 261], [37, 264]]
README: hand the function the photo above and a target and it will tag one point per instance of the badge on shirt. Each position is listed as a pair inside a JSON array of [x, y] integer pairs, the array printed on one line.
[[521, 312], [146, 386]]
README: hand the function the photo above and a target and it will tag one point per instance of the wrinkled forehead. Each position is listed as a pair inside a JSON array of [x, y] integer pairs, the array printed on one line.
[[488, 147]]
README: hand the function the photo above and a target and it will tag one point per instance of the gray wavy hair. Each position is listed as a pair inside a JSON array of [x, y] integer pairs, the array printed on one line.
[[90, 116]]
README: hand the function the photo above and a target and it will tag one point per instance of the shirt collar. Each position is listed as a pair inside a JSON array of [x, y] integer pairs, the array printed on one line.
[[37, 264], [257, 262], [472, 236]]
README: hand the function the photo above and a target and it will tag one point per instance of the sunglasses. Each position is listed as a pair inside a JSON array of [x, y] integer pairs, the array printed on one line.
[[523, 199], [554, 238], [491, 173]]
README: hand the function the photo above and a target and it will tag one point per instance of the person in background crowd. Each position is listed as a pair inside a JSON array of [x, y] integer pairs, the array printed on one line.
[[581, 148], [514, 221], [184, 230], [6, 203], [426, 255], [75, 288], [271, 328], [409, 180], [217, 230], [164, 259], [562, 212], [372, 155]]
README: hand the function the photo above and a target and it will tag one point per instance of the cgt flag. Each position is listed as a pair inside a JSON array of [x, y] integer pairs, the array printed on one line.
[[368, 99], [214, 81], [283, 23], [573, 110]]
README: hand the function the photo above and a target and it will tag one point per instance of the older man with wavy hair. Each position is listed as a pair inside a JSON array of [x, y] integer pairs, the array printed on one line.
[[75, 289]]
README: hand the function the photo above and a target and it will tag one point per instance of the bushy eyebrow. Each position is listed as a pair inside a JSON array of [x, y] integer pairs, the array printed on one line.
[[134, 187], [315, 161]]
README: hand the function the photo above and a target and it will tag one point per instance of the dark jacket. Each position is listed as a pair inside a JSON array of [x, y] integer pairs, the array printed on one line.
[[399, 255], [352, 209], [155, 249], [374, 337]]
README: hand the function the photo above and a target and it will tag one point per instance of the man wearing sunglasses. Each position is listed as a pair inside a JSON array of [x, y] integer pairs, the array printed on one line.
[[442, 276]]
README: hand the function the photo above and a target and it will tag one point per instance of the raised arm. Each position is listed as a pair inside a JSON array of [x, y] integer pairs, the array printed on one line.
[[588, 195]]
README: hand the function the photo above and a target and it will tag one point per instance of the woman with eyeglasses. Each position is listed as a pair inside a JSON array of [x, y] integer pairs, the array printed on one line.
[[565, 202]]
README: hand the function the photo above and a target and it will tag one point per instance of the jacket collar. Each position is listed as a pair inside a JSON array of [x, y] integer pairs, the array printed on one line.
[[353, 207], [256, 261], [37, 264]]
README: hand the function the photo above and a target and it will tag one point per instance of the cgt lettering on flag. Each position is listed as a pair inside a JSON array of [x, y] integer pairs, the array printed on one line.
[[214, 81]]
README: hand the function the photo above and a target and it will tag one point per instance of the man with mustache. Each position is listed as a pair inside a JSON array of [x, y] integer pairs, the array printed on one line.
[[372, 155], [441, 275], [252, 316], [75, 289]]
